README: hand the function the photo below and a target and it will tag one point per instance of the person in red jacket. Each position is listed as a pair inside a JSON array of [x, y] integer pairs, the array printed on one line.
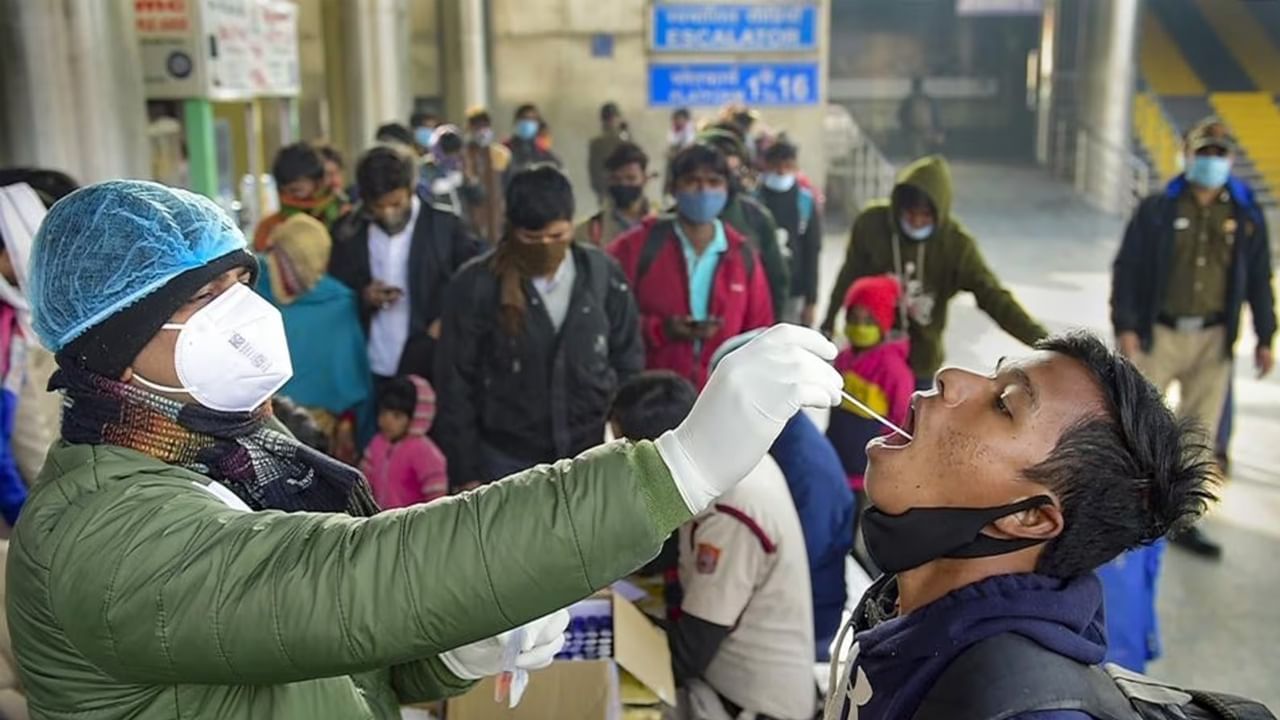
[[697, 281]]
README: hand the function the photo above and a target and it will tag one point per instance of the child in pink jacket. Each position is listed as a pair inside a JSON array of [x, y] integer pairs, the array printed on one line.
[[403, 466]]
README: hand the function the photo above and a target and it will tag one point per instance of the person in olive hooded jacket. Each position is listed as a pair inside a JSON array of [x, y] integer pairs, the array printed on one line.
[[913, 237], [183, 556]]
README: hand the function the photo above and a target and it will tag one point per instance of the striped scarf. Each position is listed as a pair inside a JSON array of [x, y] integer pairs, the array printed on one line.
[[262, 465]]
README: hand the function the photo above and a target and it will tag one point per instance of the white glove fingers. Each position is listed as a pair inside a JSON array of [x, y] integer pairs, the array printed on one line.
[[801, 337], [815, 373], [541, 655], [546, 629]]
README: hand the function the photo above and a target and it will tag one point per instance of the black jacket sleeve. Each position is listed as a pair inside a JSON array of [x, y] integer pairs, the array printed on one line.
[[626, 345], [812, 245], [1262, 301], [694, 643], [1125, 273], [457, 381]]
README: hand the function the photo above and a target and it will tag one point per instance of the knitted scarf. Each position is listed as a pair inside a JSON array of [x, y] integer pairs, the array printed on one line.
[[265, 467]]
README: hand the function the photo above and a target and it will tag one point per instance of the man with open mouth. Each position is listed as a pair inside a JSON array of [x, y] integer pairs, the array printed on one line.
[[993, 510]]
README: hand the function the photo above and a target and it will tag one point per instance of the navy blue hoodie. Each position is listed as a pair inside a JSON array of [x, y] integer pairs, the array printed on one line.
[[901, 658]]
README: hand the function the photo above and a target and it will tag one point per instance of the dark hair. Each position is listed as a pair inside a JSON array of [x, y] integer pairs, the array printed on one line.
[[479, 116], [384, 169], [1125, 478], [696, 157], [609, 111], [726, 140], [394, 132], [299, 423], [625, 154], [450, 142], [682, 112], [538, 196], [398, 395], [652, 403], [421, 118], [781, 151], [331, 154], [298, 161], [906, 197], [526, 108]]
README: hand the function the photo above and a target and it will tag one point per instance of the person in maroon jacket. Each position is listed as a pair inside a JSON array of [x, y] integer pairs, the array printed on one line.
[[697, 281]]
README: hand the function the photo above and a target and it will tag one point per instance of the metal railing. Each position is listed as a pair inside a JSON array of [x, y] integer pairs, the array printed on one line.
[[857, 172], [1107, 175]]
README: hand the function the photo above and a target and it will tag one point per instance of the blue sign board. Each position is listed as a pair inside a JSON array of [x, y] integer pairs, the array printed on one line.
[[706, 28], [714, 84]]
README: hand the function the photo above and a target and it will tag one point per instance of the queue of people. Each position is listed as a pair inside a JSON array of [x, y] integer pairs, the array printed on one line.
[[458, 327]]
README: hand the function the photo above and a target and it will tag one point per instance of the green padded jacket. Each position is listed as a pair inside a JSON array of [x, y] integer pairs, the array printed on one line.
[[140, 590]]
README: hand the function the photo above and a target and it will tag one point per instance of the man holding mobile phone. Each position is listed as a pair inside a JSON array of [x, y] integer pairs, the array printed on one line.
[[697, 281], [398, 254]]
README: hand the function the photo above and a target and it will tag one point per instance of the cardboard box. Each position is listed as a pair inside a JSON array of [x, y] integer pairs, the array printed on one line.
[[637, 675]]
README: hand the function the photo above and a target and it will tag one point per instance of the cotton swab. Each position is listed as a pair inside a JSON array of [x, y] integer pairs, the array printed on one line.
[[874, 415]]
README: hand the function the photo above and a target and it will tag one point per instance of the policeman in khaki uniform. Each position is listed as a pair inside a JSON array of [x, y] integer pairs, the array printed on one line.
[[742, 641], [1192, 255]]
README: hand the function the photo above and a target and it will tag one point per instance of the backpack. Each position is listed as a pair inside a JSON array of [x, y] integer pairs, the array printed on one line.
[[658, 235], [1008, 675]]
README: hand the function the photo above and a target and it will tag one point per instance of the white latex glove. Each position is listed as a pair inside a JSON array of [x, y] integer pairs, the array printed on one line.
[[543, 638], [750, 397]]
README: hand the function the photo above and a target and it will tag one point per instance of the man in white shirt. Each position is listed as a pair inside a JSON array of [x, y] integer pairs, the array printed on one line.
[[537, 336], [398, 254]]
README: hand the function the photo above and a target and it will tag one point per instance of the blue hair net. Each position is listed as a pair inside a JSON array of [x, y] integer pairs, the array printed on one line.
[[106, 246]]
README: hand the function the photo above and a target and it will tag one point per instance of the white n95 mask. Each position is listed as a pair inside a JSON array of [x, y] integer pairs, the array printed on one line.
[[232, 354]]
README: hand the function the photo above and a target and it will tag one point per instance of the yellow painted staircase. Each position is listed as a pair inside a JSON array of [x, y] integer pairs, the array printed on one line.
[[1255, 120], [1163, 67], [1246, 39], [1156, 134]]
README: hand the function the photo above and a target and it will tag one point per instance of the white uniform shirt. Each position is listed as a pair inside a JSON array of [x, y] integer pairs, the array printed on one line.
[[389, 262], [743, 564]]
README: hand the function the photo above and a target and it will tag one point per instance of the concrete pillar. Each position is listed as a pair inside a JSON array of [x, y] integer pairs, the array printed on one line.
[[475, 53], [71, 88], [375, 64], [1108, 70]]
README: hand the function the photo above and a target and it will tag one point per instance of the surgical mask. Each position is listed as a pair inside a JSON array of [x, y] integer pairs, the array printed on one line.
[[921, 535], [917, 234], [527, 129], [779, 182], [863, 335], [424, 136], [483, 138], [624, 196], [701, 206], [232, 354], [1208, 171]]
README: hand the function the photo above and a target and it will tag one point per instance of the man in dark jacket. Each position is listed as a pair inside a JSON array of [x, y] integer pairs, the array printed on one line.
[[1191, 257], [795, 210], [1054, 464], [526, 143], [397, 253], [537, 336], [914, 236], [613, 132]]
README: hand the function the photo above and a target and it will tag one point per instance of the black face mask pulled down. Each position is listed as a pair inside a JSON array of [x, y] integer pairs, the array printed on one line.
[[920, 535]]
